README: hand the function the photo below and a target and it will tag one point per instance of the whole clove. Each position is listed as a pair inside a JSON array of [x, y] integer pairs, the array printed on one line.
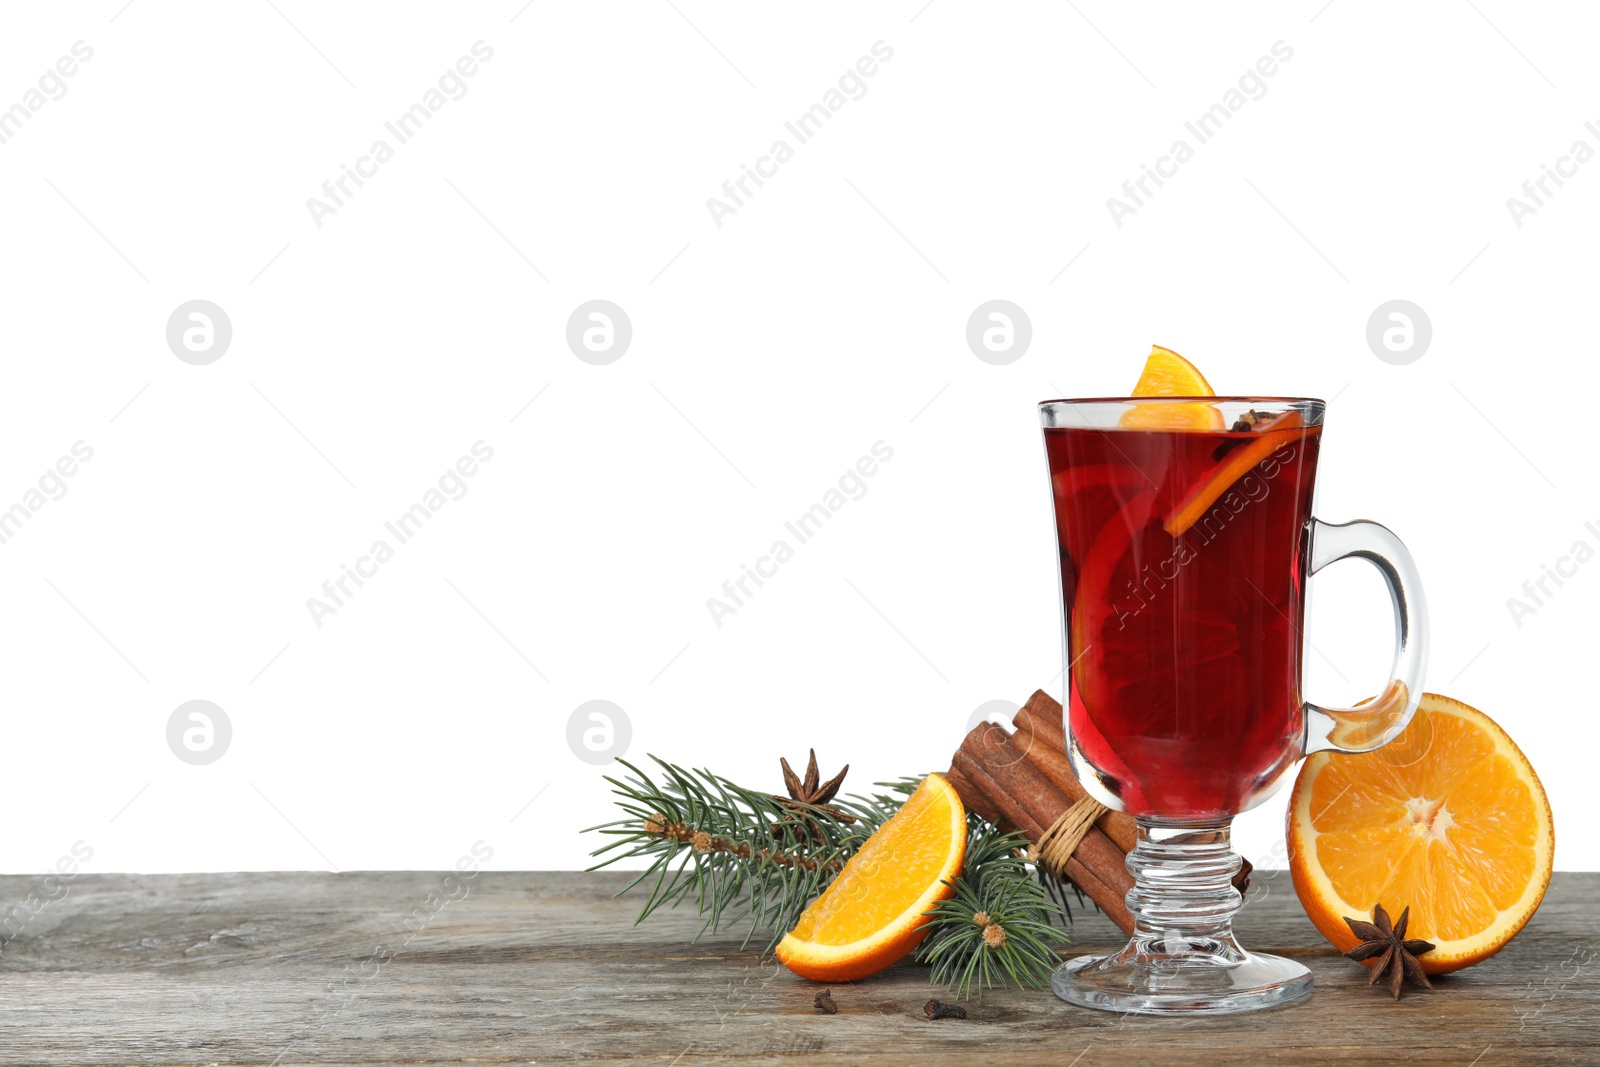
[[938, 1009]]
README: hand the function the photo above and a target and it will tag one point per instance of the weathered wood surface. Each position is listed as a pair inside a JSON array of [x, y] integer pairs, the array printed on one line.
[[369, 968]]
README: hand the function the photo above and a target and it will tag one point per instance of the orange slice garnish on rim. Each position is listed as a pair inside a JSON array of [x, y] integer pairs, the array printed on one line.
[[1449, 820], [874, 912], [1168, 374]]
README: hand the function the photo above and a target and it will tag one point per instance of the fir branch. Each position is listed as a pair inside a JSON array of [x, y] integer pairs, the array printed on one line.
[[730, 850], [737, 855], [997, 927]]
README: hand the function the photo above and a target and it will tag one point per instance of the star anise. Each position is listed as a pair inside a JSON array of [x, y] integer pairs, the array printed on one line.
[[809, 797], [1397, 955]]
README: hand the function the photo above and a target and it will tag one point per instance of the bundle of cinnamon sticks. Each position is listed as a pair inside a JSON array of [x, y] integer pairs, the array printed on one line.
[[1023, 781]]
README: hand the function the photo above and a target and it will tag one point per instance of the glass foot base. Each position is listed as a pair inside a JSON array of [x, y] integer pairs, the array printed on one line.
[[1180, 985]]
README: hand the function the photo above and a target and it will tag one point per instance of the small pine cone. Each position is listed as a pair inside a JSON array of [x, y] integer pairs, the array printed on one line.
[[701, 841], [981, 918], [656, 824], [994, 935]]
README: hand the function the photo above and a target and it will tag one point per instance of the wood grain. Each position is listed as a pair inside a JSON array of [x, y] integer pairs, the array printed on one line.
[[366, 968]]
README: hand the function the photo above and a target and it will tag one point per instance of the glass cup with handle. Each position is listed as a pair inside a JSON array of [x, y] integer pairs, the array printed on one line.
[[1186, 540]]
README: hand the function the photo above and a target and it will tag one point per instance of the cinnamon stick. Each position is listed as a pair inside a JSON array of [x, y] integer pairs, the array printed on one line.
[[1043, 713], [1041, 735], [973, 798], [1109, 898], [1022, 779], [997, 780]]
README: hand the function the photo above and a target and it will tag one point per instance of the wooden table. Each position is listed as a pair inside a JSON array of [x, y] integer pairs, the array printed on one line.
[[519, 968]]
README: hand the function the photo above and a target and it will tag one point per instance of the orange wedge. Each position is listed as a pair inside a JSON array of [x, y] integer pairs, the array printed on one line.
[[1449, 820], [873, 913], [1168, 374]]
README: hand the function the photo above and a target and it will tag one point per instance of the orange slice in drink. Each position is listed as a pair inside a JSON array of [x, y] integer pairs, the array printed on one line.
[[1168, 374], [1237, 463], [1092, 606], [874, 913], [1072, 481], [1448, 819]]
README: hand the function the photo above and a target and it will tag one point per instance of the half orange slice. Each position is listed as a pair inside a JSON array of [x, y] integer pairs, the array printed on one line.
[[1448, 819]]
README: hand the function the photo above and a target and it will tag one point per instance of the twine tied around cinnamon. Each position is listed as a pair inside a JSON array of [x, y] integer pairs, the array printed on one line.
[[1057, 844]]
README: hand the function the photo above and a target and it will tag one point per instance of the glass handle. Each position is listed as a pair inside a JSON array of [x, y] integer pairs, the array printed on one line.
[[1376, 722]]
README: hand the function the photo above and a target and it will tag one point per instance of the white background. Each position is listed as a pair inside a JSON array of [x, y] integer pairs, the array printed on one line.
[[768, 354]]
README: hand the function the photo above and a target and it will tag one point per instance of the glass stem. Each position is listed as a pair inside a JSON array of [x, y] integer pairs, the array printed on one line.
[[1183, 900], [1182, 957]]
